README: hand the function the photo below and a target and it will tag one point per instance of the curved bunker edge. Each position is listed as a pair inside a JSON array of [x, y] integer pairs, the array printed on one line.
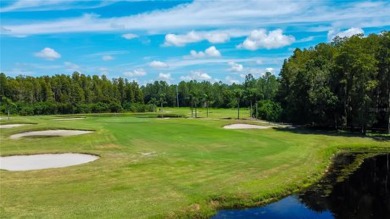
[[48, 133], [13, 125], [44, 161]]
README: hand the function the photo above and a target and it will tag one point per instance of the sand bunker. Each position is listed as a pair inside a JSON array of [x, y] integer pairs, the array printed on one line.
[[48, 133], [245, 126], [67, 119], [8, 126], [44, 161]]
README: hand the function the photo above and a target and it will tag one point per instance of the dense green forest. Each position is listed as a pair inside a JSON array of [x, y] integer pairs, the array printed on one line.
[[344, 84], [79, 93]]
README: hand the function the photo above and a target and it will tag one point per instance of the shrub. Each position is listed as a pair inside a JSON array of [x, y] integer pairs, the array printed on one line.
[[269, 110]]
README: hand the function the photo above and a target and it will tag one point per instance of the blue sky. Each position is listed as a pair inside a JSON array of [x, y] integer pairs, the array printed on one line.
[[173, 40]]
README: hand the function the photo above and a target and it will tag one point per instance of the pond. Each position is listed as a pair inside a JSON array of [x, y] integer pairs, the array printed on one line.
[[356, 187]]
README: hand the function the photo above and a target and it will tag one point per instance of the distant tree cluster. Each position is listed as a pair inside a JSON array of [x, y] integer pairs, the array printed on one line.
[[196, 94], [64, 94], [343, 84], [79, 93]]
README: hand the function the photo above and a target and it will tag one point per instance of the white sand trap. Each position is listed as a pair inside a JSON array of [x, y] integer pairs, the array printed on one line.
[[43, 161], [49, 133], [8, 126], [245, 126], [67, 119]]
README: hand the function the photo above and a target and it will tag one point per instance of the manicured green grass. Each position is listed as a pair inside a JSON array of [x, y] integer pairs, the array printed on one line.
[[153, 167], [213, 113]]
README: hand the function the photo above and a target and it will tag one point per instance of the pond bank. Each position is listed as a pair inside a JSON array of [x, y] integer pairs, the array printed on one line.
[[356, 185]]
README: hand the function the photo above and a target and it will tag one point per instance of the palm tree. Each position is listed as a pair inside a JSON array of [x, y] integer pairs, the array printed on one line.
[[250, 96], [195, 97], [238, 94], [162, 101], [207, 99]]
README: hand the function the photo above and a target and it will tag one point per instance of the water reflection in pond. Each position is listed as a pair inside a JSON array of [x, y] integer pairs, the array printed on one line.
[[365, 193], [289, 207]]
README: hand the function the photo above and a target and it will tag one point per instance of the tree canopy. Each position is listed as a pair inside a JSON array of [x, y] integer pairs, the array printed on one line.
[[343, 84]]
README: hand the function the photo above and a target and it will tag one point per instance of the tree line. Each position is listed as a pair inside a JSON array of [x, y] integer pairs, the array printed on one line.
[[64, 94], [344, 84], [80, 93]]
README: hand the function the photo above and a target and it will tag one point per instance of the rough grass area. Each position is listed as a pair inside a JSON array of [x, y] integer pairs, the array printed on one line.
[[160, 168]]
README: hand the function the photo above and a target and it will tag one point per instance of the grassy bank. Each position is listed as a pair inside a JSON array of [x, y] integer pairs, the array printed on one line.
[[151, 167]]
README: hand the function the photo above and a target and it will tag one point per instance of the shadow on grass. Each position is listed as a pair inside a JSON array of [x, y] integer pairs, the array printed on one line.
[[341, 133]]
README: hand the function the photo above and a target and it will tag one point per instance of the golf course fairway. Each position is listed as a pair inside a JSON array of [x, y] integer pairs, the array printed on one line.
[[169, 168]]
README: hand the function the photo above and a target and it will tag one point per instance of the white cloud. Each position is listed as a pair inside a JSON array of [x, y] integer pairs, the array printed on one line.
[[28, 4], [194, 36], [48, 53], [107, 58], [129, 36], [3, 29], [209, 52], [164, 76], [51, 5], [176, 63], [231, 80], [347, 33], [217, 37], [181, 40], [215, 15], [306, 39], [235, 67], [103, 71], [259, 61], [212, 52], [71, 66], [258, 39], [255, 71], [196, 54], [106, 53], [196, 75], [135, 73], [158, 64]]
